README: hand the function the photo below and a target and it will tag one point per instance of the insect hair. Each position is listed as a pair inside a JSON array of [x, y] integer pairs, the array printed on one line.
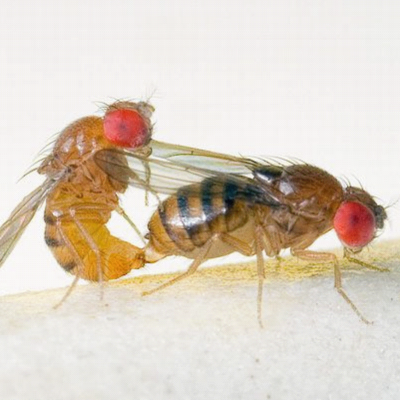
[[102, 106], [41, 155]]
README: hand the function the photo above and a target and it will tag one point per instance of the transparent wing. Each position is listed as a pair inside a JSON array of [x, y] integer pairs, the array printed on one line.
[[19, 219], [165, 176], [205, 159], [273, 176], [162, 175]]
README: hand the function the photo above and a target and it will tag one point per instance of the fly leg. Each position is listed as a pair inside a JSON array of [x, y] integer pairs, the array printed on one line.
[[238, 245], [347, 256], [259, 245], [243, 248], [68, 292], [309, 255], [235, 243], [121, 212], [77, 257], [148, 177], [93, 246], [148, 187], [69, 214], [201, 256], [272, 248], [145, 183]]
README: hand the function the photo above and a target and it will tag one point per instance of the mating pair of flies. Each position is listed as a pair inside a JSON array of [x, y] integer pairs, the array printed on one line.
[[217, 204]]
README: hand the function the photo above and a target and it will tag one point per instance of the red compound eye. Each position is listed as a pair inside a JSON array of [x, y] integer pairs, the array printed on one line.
[[354, 224], [126, 128]]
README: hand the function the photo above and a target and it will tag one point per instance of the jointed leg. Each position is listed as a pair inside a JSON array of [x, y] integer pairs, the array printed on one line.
[[235, 243], [243, 248], [363, 263], [93, 247], [77, 257], [309, 255], [121, 212], [148, 177], [260, 271], [70, 214], [145, 183], [192, 269], [68, 292]]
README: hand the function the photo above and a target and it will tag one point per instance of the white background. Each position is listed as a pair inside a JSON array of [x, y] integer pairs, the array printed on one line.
[[314, 80]]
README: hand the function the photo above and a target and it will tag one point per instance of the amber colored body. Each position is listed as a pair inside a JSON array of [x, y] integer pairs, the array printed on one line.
[[80, 205], [187, 221], [219, 216]]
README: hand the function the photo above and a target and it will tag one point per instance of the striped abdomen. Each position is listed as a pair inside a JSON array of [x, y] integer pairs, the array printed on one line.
[[190, 218]]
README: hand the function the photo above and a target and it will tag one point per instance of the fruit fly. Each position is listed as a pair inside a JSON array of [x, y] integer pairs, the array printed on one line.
[[251, 207], [80, 196]]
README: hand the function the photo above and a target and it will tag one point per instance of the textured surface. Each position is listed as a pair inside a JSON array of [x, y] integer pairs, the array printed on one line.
[[200, 339]]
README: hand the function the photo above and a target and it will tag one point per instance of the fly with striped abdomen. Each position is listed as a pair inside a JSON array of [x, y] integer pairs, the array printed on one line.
[[252, 208]]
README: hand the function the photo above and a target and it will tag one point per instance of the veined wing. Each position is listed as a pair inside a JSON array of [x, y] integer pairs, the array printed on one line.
[[274, 176], [19, 219], [219, 162], [166, 176], [204, 159], [263, 183]]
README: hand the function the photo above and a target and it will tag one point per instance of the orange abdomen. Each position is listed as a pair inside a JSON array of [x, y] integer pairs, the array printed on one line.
[[79, 239]]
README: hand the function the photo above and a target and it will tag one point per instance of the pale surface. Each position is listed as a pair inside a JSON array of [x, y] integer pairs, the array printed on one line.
[[200, 339]]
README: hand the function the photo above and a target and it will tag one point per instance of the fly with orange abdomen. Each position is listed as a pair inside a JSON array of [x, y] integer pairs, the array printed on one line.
[[80, 196]]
